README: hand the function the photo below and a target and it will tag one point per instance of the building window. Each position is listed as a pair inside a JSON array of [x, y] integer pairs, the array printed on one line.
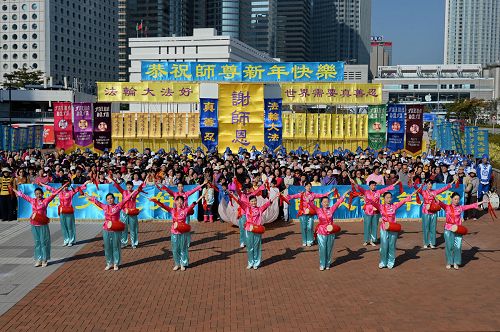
[[34, 6], [34, 65], [34, 46]]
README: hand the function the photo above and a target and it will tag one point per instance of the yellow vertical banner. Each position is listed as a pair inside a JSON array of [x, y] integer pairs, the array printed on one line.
[[300, 124], [142, 125], [180, 125], [193, 125], [168, 125], [363, 126], [312, 126], [241, 116], [337, 126], [155, 125], [325, 126], [129, 125], [354, 126], [117, 125], [287, 118]]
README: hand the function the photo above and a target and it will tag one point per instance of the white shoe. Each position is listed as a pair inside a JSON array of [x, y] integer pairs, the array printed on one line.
[[328, 268], [390, 267], [373, 244], [448, 266], [433, 247], [425, 246], [309, 244], [381, 266], [44, 264], [115, 267], [176, 268], [303, 244], [242, 245], [249, 267], [107, 268], [455, 266], [365, 243], [70, 244], [321, 268], [255, 267], [183, 268], [65, 244], [38, 263], [134, 247]]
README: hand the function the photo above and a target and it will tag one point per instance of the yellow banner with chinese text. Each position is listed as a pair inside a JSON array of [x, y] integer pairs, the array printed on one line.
[[325, 126], [287, 118], [117, 125], [241, 116], [337, 126], [142, 125], [155, 125], [312, 126], [300, 125], [148, 92], [129, 125], [180, 125], [193, 125], [168, 125], [332, 93]]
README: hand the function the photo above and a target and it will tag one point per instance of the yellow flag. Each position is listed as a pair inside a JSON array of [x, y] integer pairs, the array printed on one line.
[[180, 125], [155, 125], [363, 126], [331, 93], [287, 118], [117, 125], [312, 126], [300, 125], [148, 92], [168, 125], [193, 125], [142, 125], [241, 116], [129, 125], [325, 126], [337, 126]]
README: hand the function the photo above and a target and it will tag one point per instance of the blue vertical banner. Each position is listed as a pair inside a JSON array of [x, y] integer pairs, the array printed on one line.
[[455, 131], [482, 143], [474, 136], [396, 116], [31, 137], [446, 137], [209, 124], [38, 137], [273, 125], [468, 140]]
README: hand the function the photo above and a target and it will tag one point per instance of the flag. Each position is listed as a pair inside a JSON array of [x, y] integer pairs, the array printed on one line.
[[138, 26]]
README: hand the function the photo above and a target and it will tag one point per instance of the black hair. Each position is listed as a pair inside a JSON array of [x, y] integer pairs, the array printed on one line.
[[429, 180], [129, 183], [252, 197], [180, 197], [110, 194], [455, 194], [308, 184], [387, 193], [40, 190], [372, 182]]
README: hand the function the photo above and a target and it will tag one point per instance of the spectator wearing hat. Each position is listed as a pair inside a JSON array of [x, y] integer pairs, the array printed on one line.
[[484, 172]]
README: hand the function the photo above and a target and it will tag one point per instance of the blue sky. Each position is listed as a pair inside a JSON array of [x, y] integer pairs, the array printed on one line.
[[416, 29]]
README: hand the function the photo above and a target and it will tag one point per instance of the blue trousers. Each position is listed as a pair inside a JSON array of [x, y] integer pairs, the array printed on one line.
[[112, 248], [180, 249], [325, 243], [68, 228], [254, 248], [481, 190], [306, 228], [370, 225], [429, 228], [243, 233], [453, 248], [132, 225], [41, 237], [387, 248]]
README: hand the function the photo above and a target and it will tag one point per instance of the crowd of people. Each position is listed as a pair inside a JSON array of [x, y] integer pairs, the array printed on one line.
[[253, 171]]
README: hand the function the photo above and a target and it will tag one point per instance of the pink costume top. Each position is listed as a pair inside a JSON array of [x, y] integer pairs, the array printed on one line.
[[65, 196], [244, 197], [325, 215], [388, 211], [178, 215], [39, 205], [111, 211], [130, 196], [430, 195], [253, 213], [306, 199], [454, 213], [184, 194], [373, 196]]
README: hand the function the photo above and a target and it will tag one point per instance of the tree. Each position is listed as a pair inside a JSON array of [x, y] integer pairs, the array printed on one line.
[[22, 77], [466, 109]]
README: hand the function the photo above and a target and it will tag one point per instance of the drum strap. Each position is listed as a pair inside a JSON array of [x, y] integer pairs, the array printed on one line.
[[492, 211]]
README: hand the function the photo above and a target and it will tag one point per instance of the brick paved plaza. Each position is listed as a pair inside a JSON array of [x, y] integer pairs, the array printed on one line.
[[287, 293]]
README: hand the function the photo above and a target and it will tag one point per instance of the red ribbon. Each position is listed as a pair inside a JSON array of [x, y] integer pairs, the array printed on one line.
[[237, 183], [457, 184], [400, 187], [284, 199], [94, 181], [492, 211], [336, 193], [213, 186]]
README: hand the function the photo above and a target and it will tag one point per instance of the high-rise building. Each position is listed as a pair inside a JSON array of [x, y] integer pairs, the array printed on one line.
[[472, 31], [293, 26], [67, 40], [341, 30], [380, 55], [252, 22]]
